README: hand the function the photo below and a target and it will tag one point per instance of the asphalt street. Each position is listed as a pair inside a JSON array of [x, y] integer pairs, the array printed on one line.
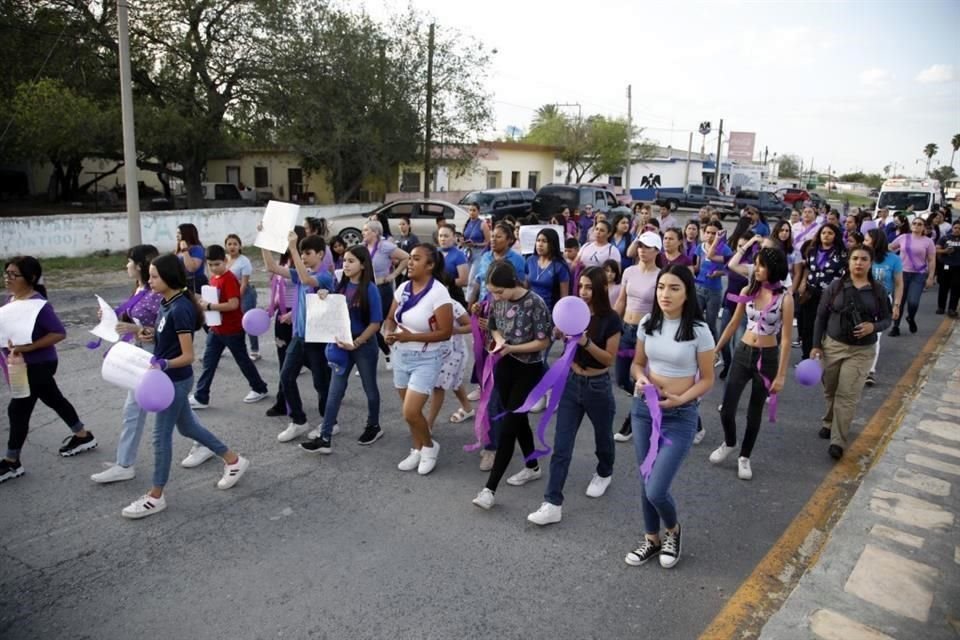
[[346, 546]]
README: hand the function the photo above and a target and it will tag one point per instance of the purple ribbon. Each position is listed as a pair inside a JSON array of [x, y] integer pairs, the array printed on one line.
[[652, 399], [4, 368], [481, 423], [278, 294], [922, 267], [773, 301], [626, 353], [409, 299], [803, 234]]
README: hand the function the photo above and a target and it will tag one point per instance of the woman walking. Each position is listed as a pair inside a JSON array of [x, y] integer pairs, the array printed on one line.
[[547, 274], [824, 260], [589, 392], [948, 297], [919, 256], [596, 252], [389, 261], [192, 256], [675, 345], [854, 309]]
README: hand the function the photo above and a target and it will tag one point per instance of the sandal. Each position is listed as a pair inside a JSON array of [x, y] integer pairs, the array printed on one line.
[[462, 416]]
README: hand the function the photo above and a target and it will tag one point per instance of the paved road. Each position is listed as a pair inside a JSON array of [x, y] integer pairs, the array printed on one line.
[[347, 546]]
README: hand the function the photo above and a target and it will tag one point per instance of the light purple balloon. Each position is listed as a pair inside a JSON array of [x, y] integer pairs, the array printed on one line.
[[809, 372], [868, 225], [256, 322], [155, 391], [571, 315]]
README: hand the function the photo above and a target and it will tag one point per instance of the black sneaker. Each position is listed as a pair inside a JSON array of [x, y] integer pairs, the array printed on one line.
[[10, 470], [275, 411], [626, 431], [912, 324], [670, 553], [72, 445], [824, 433], [894, 332], [317, 445], [940, 311], [646, 550], [835, 451], [871, 380], [724, 372], [370, 435]]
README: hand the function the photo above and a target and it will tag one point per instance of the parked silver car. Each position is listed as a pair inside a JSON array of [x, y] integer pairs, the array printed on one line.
[[423, 216]]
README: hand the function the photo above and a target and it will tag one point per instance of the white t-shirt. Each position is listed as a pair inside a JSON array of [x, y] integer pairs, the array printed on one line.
[[592, 255], [670, 358], [241, 267], [421, 318]]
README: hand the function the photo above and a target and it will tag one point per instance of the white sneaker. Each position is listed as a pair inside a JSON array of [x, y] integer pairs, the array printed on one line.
[[144, 506], [254, 396], [720, 453], [541, 404], [699, 436], [411, 462], [598, 486], [254, 355], [484, 499], [292, 432], [114, 473], [428, 458], [313, 434], [486, 460], [198, 455], [196, 404], [744, 472], [524, 476], [474, 395], [233, 472], [387, 361], [546, 514]]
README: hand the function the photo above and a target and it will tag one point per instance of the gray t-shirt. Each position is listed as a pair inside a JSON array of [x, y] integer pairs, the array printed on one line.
[[521, 321], [668, 357]]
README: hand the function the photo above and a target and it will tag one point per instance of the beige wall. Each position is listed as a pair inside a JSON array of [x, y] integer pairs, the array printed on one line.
[[504, 161]]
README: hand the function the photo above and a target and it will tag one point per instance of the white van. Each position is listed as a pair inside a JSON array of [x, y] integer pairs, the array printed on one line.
[[897, 194]]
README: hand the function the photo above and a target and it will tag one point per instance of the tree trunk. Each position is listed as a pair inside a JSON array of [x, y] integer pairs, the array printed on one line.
[[165, 183], [53, 184], [192, 179]]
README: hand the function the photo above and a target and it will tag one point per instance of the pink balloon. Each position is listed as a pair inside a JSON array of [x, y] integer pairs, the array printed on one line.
[[571, 315], [256, 322], [809, 372], [155, 391]]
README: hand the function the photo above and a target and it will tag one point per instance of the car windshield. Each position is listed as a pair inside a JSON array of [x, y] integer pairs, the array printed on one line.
[[478, 198], [900, 200]]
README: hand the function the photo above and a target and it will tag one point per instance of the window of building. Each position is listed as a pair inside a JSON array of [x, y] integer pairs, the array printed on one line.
[[515, 179], [493, 179], [533, 180], [410, 181], [261, 179]]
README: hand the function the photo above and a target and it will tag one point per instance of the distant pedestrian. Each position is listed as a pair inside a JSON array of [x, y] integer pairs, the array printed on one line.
[[242, 268]]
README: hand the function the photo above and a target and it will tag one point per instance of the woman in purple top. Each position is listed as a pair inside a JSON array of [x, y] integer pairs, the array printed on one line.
[[139, 311], [389, 261], [919, 256], [22, 277]]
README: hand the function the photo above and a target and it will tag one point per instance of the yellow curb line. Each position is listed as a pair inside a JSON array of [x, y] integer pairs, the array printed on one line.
[[774, 578]]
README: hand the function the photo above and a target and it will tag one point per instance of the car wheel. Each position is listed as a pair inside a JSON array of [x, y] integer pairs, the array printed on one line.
[[351, 237]]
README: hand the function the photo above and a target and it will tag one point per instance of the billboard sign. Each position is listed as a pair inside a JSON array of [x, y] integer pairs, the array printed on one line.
[[741, 146]]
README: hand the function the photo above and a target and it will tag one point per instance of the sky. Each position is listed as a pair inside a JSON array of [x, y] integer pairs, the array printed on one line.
[[853, 86]]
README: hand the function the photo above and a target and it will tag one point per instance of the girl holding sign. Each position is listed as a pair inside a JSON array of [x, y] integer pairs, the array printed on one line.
[[22, 277], [139, 312], [179, 318], [366, 315], [418, 326], [675, 345]]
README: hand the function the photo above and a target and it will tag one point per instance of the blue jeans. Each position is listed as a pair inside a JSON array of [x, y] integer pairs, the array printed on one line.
[[211, 358], [679, 425], [365, 357], [179, 415], [249, 301], [710, 301], [133, 418], [912, 290], [315, 357], [628, 340], [592, 396]]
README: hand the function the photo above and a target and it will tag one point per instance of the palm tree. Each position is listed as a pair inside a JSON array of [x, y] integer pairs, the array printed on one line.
[[545, 114], [930, 150], [955, 143]]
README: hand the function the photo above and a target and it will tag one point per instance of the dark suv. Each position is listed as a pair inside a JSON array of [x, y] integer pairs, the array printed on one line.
[[768, 203], [552, 198], [498, 203]]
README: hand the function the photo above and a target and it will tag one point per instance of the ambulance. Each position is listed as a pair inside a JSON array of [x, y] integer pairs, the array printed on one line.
[[897, 194]]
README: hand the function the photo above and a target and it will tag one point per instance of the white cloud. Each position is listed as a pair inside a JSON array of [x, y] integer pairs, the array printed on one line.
[[935, 74], [875, 78]]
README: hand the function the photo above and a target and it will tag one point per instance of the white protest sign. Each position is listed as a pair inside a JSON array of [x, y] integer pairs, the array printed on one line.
[[209, 293], [528, 236], [125, 365], [17, 319], [279, 219], [328, 320], [107, 329]]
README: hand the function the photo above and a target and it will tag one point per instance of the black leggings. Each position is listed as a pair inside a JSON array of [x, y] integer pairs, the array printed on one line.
[[743, 370], [386, 299], [43, 387], [514, 381], [282, 333], [806, 319], [949, 289]]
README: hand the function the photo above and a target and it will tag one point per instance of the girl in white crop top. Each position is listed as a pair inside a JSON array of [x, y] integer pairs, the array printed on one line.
[[759, 359], [674, 344]]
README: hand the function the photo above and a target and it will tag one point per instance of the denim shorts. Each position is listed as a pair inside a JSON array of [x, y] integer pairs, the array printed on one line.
[[417, 370]]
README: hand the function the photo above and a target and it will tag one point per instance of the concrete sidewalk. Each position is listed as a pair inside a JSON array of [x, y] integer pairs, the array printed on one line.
[[891, 568]]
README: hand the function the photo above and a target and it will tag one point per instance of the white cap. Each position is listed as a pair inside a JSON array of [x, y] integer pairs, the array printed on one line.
[[651, 239]]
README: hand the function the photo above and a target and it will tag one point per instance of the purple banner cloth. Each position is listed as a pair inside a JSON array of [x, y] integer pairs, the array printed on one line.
[[481, 422], [652, 399]]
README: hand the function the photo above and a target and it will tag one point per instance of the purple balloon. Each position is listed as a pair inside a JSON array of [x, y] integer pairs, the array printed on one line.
[[571, 315], [868, 225], [155, 391], [809, 372], [256, 322]]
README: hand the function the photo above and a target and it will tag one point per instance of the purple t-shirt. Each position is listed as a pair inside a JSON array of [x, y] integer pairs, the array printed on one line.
[[380, 256], [915, 256], [47, 323]]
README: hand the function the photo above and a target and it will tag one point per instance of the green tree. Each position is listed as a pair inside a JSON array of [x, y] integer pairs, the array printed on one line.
[[789, 166], [955, 143], [930, 150], [943, 173]]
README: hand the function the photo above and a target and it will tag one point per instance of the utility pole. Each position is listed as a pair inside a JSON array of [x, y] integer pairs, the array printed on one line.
[[626, 171], [686, 175], [716, 175], [429, 124], [129, 141]]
